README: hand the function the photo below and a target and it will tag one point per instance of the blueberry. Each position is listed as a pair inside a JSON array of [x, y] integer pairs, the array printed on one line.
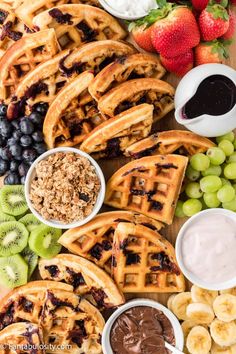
[[16, 124], [38, 136], [11, 141], [41, 108], [16, 150], [25, 140], [12, 178], [22, 180], [40, 148], [14, 165], [5, 128], [36, 118], [23, 169], [29, 155], [5, 153], [17, 135], [2, 141], [4, 166], [26, 126], [3, 109]]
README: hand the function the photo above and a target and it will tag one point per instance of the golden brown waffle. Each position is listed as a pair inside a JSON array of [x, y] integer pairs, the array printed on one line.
[[29, 9], [144, 261], [24, 56], [150, 186], [133, 92], [86, 278], [78, 24], [94, 240], [22, 335], [111, 138], [138, 65], [169, 142], [72, 115]]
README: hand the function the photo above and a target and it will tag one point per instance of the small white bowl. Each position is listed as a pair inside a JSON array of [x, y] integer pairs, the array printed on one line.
[[178, 250], [100, 197], [179, 338]]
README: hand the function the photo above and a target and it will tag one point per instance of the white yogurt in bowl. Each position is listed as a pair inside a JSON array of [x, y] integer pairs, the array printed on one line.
[[206, 249]]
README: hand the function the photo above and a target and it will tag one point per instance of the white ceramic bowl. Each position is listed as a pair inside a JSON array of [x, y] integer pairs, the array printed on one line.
[[100, 198], [179, 338], [178, 250]]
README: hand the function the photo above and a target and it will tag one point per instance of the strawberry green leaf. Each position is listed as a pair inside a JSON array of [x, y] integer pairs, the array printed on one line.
[[218, 11], [161, 3]]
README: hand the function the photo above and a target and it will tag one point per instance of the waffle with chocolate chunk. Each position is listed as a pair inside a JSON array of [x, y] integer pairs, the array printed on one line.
[[22, 335], [111, 138], [144, 261], [137, 91], [22, 57], [72, 115], [94, 239], [150, 185], [169, 142], [134, 66], [86, 278], [78, 24]]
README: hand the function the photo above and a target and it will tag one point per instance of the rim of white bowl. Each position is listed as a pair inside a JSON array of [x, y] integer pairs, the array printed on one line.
[[100, 197], [178, 251], [178, 332], [118, 14]]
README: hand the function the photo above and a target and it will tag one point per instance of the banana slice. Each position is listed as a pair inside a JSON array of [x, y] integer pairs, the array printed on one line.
[[223, 333], [202, 295], [231, 291], [198, 341], [188, 325], [202, 313], [170, 301], [224, 307], [179, 305], [217, 349]]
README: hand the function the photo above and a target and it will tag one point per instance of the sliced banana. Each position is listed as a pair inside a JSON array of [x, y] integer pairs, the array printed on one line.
[[180, 303], [217, 349], [188, 325], [231, 291], [201, 313], [198, 341], [224, 307], [202, 295], [223, 333], [170, 301]]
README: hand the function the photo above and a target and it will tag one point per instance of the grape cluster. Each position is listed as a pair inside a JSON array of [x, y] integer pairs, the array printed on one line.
[[21, 142], [210, 179]]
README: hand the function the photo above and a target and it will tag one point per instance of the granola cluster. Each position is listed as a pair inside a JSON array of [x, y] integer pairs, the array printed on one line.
[[65, 187]]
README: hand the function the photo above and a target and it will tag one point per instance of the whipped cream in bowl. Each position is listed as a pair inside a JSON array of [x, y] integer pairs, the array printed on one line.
[[129, 9]]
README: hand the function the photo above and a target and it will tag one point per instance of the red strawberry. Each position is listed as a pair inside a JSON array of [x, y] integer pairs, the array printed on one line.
[[210, 52], [232, 25], [233, 2], [179, 65], [213, 22], [142, 36], [176, 32], [200, 4]]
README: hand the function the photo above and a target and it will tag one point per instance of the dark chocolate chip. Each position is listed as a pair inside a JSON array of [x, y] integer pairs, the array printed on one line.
[[132, 258], [60, 17], [53, 270]]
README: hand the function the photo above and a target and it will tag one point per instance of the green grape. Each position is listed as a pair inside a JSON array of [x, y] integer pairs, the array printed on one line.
[[230, 170], [227, 147], [179, 209], [234, 143], [230, 205], [204, 206], [212, 170], [210, 184], [229, 136], [226, 194], [192, 174], [216, 155], [199, 162], [211, 200], [193, 190], [192, 206], [232, 158], [225, 181]]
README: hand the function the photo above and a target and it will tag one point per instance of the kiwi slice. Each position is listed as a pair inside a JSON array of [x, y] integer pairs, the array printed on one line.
[[30, 221], [43, 241], [13, 238], [31, 259], [5, 217], [12, 200], [13, 271]]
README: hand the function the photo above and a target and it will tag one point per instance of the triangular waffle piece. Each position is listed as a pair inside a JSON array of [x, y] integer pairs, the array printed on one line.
[[150, 186], [133, 92], [86, 278], [21, 335], [22, 57], [29, 9], [72, 115], [111, 138], [26, 302], [139, 65], [78, 24], [169, 142], [94, 240], [144, 261]]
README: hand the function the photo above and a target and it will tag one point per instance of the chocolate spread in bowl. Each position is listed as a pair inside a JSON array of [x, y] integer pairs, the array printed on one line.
[[141, 330]]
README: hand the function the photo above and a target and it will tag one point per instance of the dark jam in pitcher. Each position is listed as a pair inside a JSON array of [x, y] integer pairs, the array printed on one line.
[[215, 96]]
